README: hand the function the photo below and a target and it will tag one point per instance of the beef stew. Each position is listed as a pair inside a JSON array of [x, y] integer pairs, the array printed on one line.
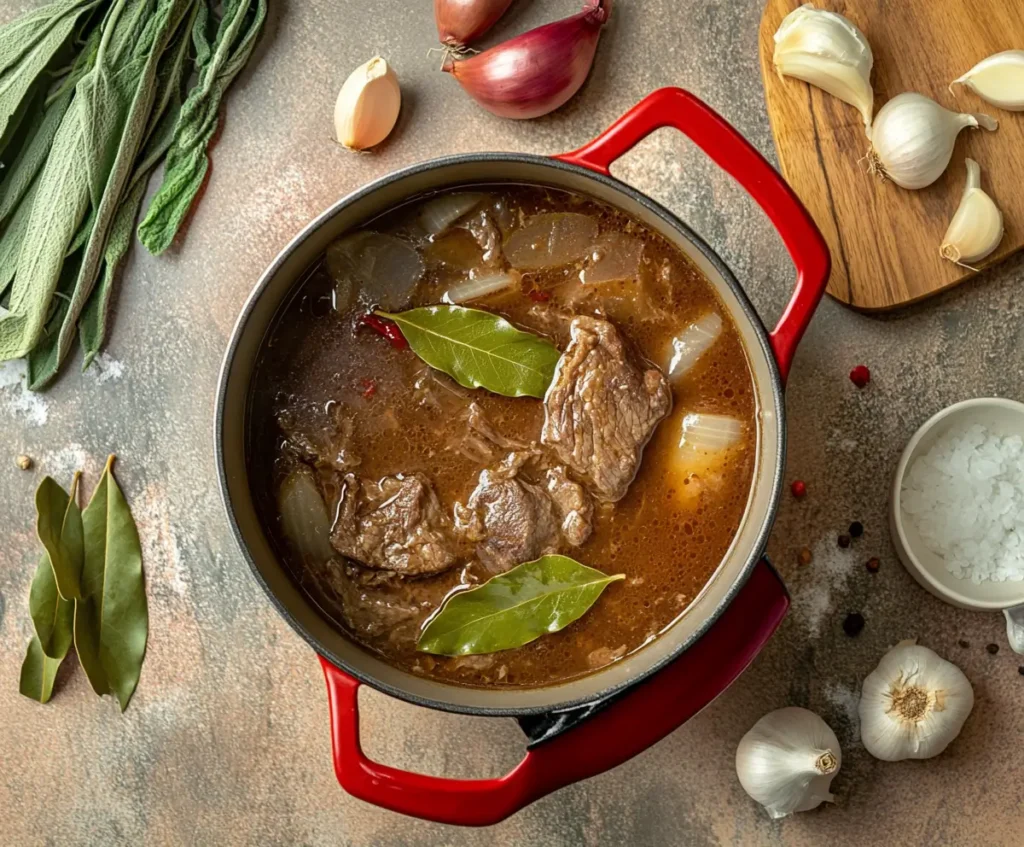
[[639, 460]]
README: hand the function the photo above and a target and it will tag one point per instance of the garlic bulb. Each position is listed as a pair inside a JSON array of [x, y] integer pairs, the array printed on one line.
[[787, 761], [828, 51], [913, 704], [998, 80], [368, 105], [977, 226], [913, 136]]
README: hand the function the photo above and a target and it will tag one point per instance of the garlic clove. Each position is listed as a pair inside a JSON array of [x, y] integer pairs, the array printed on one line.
[[977, 226], [912, 139], [787, 760], [827, 51], [368, 105], [998, 80], [913, 704]]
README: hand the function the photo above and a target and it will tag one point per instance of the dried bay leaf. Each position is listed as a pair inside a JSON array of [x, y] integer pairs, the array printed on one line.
[[59, 526], [111, 620], [514, 608], [479, 349]]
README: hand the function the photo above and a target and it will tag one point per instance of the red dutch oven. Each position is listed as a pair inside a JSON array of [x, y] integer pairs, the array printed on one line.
[[582, 727]]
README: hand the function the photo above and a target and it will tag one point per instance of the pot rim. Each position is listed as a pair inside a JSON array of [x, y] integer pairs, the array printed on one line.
[[756, 550]]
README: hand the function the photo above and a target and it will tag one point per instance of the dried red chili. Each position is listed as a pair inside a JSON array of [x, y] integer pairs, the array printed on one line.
[[369, 387], [389, 329], [538, 296], [860, 376]]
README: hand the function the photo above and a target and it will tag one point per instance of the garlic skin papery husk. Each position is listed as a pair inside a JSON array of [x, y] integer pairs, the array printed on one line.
[[912, 139], [913, 704], [998, 80], [368, 105], [977, 226], [787, 761], [827, 51]]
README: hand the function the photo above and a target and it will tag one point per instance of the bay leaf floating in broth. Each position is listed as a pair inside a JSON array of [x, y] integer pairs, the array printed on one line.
[[515, 608]]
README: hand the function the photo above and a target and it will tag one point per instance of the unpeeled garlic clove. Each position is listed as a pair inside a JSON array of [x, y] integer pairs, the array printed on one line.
[[977, 226], [828, 51], [368, 105], [998, 80], [912, 139]]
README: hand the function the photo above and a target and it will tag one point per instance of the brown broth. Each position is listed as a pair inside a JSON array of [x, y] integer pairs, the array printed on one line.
[[666, 540]]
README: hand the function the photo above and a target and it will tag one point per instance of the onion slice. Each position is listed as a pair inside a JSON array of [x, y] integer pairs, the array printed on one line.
[[304, 517], [474, 289], [710, 433], [692, 343], [538, 71], [439, 213]]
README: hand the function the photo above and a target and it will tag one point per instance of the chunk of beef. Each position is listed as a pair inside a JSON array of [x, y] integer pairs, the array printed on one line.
[[574, 506], [515, 521], [602, 408], [396, 525]]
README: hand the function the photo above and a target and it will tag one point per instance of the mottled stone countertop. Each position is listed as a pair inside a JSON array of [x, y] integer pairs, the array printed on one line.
[[227, 742]]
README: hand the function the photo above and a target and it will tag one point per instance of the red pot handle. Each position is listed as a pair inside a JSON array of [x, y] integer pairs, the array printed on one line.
[[737, 157], [629, 725]]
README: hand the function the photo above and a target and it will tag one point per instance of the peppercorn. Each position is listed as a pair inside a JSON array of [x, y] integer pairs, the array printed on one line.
[[24, 462], [804, 557], [856, 529], [963, 642], [860, 376], [873, 565], [1020, 670], [992, 649], [799, 488], [853, 624], [844, 541]]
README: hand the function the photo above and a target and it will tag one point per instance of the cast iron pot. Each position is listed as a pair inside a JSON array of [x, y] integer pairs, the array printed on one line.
[[585, 726]]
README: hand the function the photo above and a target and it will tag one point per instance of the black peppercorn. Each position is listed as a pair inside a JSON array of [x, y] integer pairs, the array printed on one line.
[[993, 648], [963, 642], [856, 529], [853, 624], [844, 541], [1020, 670]]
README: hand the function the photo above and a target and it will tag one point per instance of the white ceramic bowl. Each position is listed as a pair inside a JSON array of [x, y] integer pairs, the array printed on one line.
[[1005, 417]]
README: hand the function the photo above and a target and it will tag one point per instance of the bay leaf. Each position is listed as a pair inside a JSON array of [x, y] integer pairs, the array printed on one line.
[[59, 526], [111, 619], [52, 615], [514, 608], [38, 672], [479, 349]]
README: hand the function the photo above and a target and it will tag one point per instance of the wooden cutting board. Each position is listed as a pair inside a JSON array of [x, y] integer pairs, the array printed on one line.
[[884, 239]]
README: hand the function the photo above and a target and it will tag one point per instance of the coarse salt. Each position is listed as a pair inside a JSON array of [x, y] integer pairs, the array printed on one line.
[[965, 497]]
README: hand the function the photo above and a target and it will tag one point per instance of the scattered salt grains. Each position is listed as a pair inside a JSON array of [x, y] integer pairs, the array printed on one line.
[[105, 368], [15, 397], [965, 497], [814, 599]]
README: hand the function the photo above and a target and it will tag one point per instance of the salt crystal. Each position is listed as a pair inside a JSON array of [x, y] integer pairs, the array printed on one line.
[[965, 497]]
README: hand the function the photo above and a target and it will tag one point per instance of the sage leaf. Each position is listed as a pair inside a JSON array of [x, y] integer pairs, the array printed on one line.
[[13, 235], [111, 619], [18, 79], [187, 161], [38, 672], [514, 608], [479, 349], [134, 92], [59, 526]]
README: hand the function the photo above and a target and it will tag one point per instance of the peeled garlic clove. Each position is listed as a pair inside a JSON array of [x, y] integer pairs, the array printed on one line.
[[368, 105], [912, 139], [787, 761], [828, 51], [913, 704], [977, 226], [998, 80]]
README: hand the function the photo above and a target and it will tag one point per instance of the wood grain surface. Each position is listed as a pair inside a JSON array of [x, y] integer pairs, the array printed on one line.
[[884, 239]]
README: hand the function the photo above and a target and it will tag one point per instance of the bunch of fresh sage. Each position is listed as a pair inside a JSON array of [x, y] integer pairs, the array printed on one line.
[[93, 95], [88, 590]]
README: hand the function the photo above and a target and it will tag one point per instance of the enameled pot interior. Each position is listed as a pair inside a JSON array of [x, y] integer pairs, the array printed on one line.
[[274, 289]]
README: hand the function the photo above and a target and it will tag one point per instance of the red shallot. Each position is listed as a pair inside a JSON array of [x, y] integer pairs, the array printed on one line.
[[461, 21], [536, 72]]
